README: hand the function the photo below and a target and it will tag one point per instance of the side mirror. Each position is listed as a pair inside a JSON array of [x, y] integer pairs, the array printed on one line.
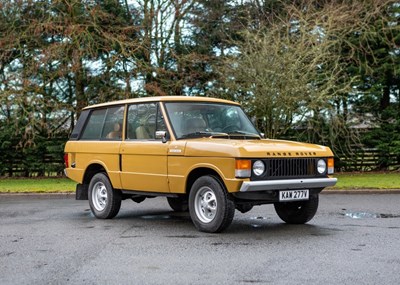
[[162, 135]]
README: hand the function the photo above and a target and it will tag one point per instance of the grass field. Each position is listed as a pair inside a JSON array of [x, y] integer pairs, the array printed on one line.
[[367, 180], [36, 185]]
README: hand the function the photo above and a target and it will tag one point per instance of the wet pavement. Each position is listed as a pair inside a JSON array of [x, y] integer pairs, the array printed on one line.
[[353, 239]]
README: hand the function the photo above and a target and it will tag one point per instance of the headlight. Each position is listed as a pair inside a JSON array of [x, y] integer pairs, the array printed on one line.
[[258, 167], [321, 166]]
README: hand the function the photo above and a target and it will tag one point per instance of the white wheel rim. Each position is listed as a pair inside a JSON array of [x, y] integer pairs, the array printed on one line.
[[99, 196], [205, 204]]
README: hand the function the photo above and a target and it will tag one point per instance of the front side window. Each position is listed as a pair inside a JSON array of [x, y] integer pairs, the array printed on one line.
[[196, 119], [143, 121]]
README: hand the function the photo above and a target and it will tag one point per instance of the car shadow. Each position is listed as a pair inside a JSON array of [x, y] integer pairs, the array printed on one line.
[[261, 226]]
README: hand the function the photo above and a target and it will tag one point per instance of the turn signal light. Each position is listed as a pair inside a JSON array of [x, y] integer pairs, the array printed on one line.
[[243, 168], [331, 165]]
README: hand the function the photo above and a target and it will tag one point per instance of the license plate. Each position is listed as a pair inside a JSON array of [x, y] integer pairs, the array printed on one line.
[[294, 195]]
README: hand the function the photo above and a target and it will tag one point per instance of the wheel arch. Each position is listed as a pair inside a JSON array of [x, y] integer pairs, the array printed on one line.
[[199, 172], [91, 171]]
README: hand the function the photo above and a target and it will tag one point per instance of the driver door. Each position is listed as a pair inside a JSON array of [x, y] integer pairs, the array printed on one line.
[[144, 158]]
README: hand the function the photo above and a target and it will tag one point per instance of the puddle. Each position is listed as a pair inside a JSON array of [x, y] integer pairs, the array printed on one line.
[[161, 217], [257, 218], [183, 236], [156, 217], [255, 222], [253, 281], [369, 215]]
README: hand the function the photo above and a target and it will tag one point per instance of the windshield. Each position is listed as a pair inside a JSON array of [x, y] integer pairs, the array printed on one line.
[[195, 119]]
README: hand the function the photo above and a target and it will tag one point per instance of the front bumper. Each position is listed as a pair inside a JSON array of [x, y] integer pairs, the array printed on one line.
[[287, 184]]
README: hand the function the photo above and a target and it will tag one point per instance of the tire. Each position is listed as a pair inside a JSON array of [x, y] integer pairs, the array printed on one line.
[[244, 208], [297, 212], [178, 204], [138, 199], [210, 208], [104, 200]]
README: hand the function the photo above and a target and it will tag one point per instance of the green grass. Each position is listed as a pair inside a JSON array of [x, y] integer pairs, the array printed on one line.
[[366, 180], [36, 185], [64, 185]]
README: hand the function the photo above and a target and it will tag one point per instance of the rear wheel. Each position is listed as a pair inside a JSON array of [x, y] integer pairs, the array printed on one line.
[[297, 212], [210, 208], [104, 200]]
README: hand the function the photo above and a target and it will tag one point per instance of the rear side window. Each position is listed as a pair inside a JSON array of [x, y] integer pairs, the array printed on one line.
[[104, 124], [94, 126], [79, 125], [112, 128]]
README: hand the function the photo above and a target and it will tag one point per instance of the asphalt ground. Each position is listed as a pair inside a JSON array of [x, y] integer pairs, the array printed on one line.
[[54, 239]]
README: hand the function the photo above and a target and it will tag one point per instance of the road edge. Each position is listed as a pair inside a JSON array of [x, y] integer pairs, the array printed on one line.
[[325, 191]]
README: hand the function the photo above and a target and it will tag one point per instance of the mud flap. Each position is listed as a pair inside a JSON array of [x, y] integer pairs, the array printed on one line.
[[82, 192]]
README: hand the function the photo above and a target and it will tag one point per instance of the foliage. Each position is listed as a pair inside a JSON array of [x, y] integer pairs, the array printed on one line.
[[309, 70], [296, 75], [386, 138]]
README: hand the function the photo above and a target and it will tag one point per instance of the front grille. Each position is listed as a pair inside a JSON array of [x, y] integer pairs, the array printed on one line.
[[281, 168], [291, 167]]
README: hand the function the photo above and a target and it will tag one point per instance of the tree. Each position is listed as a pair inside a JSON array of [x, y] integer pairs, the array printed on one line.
[[294, 72], [55, 58], [380, 80]]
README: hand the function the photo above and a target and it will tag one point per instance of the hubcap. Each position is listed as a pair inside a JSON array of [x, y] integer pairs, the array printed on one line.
[[205, 204], [99, 196]]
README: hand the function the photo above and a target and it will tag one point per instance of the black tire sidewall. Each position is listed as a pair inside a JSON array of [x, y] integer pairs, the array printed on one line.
[[178, 204], [113, 198], [308, 210], [225, 206]]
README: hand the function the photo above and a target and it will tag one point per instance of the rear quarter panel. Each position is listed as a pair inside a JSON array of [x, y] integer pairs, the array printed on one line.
[[86, 153]]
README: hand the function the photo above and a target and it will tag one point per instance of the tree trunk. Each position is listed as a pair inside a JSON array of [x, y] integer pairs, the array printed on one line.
[[385, 100], [81, 100]]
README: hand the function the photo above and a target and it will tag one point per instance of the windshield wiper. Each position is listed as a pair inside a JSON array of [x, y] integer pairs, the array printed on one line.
[[197, 134], [219, 135], [245, 134]]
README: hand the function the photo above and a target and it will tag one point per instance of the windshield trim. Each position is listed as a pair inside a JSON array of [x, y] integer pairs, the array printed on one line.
[[212, 134]]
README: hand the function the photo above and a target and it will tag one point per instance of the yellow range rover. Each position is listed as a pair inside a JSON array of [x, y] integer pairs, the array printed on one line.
[[204, 155]]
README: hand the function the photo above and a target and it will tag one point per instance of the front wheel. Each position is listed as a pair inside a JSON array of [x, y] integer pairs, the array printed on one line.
[[297, 212], [104, 200], [210, 208]]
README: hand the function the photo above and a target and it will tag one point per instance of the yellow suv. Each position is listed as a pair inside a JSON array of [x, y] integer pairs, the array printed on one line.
[[203, 154]]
